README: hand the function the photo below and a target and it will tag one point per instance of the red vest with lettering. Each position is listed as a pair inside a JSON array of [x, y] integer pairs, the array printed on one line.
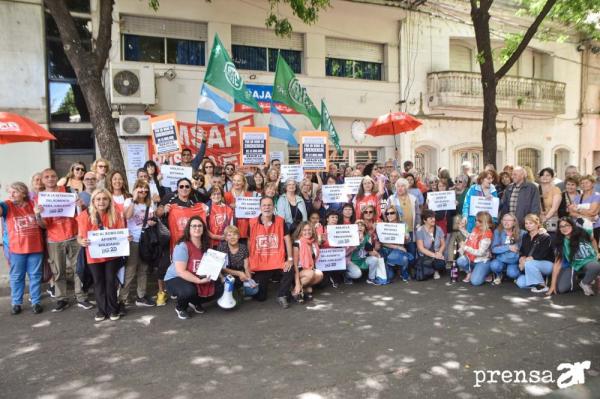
[[266, 245], [24, 234], [242, 224], [178, 218], [220, 217], [361, 204], [194, 257]]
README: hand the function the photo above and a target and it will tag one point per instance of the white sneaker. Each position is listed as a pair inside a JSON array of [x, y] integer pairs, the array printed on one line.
[[436, 275], [497, 280], [587, 289]]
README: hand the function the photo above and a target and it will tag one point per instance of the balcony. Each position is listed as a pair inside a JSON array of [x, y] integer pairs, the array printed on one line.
[[451, 89]]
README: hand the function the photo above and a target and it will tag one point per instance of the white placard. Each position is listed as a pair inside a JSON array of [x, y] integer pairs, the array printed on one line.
[[57, 204], [334, 193], [352, 184], [136, 155], [441, 200], [391, 233], [342, 235], [247, 207], [276, 155], [481, 204], [108, 243], [172, 173], [331, 259], [211, 264], [292, 172]]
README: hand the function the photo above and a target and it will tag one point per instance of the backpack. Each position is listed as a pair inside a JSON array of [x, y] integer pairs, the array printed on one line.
[[153, 240]]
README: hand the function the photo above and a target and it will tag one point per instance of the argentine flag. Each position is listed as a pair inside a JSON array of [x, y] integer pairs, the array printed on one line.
[[214, 106], [279, 127]]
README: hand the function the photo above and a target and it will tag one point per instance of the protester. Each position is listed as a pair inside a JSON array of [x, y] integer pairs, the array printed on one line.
[[408, 212], [505, 248], [366, 256], [237, 262], [23, 247], [414, 190], [229, 172], [537, 256], [291, 206], [550, 200], [570, 171], [73, 181], [259, 183], [587, 206], [89, 180], [37, 185], [348, 215], [568, 196], [482, 188], [239, 189], [154, 180], [431, 243], [395, 255], [208, 170], [306, 254], [102, 168], [219, 218], [520, 197], [368, 194], [445, 218], [116, 184], [475, 259]]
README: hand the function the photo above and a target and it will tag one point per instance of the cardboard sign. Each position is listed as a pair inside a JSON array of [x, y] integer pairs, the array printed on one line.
[[352, 184], [254, 146], [441, 200], [165, 134], [211, 264], [314, 151], [481, 204], [342, 235], [247, 207], [391, 233], [292, 172], [334, 193], [57, 204], [172, 173], [331, 259], [108, 243]]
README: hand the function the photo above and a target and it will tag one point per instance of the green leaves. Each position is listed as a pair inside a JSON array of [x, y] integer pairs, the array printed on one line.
[[511, 42], [306, 10]]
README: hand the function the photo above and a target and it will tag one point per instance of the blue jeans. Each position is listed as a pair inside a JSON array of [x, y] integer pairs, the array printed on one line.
[[535, 270], [479, 270], [19, 265], [508, 263], [396, 258]]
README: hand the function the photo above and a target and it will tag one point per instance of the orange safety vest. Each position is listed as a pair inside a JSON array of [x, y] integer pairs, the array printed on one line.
[[24, 234], [178, 218], [220, 217], [266, 245], [242, 224]]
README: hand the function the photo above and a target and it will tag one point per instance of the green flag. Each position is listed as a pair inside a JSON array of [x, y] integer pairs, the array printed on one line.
[[327, 125], [287, 90], [222, 75]]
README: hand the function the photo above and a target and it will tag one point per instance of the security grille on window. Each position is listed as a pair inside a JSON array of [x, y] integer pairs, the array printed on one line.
[[257, 49], [163, 41], [529, 157], [353, 59]]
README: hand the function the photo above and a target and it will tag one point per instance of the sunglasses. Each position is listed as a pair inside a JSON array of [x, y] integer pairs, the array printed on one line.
[[102, 166], [79, 169], [229, 169], [390, 213], [368, 212], [185, 186]]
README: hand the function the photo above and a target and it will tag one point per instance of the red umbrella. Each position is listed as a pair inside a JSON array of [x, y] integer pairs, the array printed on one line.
[[16, 129], [393, 123]]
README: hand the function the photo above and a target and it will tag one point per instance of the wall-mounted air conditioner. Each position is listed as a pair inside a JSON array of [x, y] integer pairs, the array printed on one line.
[[134, 125], [132, 83]]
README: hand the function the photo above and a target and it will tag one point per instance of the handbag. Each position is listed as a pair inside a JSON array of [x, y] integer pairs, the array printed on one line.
[[424, 265], [381, 274]]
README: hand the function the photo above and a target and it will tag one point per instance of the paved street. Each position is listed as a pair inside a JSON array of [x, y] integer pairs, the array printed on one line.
[[401, 340]]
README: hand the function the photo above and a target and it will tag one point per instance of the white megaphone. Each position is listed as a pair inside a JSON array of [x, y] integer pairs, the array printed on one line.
[[227, 301]]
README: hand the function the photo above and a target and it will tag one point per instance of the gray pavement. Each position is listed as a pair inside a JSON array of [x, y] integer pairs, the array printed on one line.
[[403, 340]]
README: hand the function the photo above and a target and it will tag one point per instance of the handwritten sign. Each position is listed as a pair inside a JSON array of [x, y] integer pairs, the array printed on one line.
[[334, 193], [165, 135], [391, 233], [342, 235], [211, 264], [441, 200], [247, 207], [314, 151], [352, 184], [57, 204], [292, 172], [254, 146], [108, 243], [331, 259], [172, 173], [481, 204], [276, 155]]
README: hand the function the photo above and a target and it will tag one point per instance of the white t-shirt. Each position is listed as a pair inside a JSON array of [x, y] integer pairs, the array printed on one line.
[[134, 224]]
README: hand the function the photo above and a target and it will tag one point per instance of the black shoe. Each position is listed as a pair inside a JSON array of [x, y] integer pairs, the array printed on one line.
[[85, 304], [144, 301], [115, 316], [50, 291], [100, 317], [60, 306], [196, 308], [16, 309], [37, 308], [122, 312], [182, 314], [281, 300]]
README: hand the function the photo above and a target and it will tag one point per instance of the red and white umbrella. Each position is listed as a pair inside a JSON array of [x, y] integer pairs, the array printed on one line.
[[17, 129]]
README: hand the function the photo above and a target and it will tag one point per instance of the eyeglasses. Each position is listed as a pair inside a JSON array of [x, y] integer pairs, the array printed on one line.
[[229, 169], [368, 212], [564, 226], [90, 179], [79, 169], [184, 186], [102, 166], [195, 226]]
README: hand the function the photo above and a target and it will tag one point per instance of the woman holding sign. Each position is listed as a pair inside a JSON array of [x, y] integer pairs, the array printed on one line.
[[23, 247], [239, 189], [219, 218], [369, 194], [181, 278], [475, 259], [395, 255], [409, 211], [101, 215], [482, 188], [306, 253]]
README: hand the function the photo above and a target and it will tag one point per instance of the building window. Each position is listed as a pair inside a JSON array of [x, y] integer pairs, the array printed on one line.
[[162, 50], [352, 69], [529, 157], [264, 59]]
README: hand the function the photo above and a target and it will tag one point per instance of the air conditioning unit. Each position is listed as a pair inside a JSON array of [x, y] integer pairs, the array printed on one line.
[[132, 83], [134, 125]]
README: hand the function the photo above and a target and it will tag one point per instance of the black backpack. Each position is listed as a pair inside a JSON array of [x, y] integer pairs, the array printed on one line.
[[153, 240]]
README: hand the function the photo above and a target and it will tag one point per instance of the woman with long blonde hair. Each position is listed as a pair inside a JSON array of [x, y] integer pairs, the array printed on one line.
[[101, 167], [475, 258], [537, 256]]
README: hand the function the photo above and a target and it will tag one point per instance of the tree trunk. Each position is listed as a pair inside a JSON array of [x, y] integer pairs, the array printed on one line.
[[489, 133]]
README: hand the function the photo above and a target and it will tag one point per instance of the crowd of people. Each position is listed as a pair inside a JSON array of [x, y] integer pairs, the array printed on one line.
[[543, 237]]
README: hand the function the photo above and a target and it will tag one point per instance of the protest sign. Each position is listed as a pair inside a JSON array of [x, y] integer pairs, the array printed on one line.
[[292, 172], [57, 204], [441, 200], [211, 264], [314, 151], [331, 259], [247, 207], [172, 173], [352, 184], [254, 146], [481, 204], [165, 134], [275, 155], [342, 235], [391, 233], [108, 243], [334, 193]]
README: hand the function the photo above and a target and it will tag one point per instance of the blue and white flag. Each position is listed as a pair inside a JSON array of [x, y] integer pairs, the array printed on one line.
[[279, 127], [214, 106]]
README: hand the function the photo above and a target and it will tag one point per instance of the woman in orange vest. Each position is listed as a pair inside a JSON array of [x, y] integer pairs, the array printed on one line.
[[220, 217], [23, 240], [239, 188]]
